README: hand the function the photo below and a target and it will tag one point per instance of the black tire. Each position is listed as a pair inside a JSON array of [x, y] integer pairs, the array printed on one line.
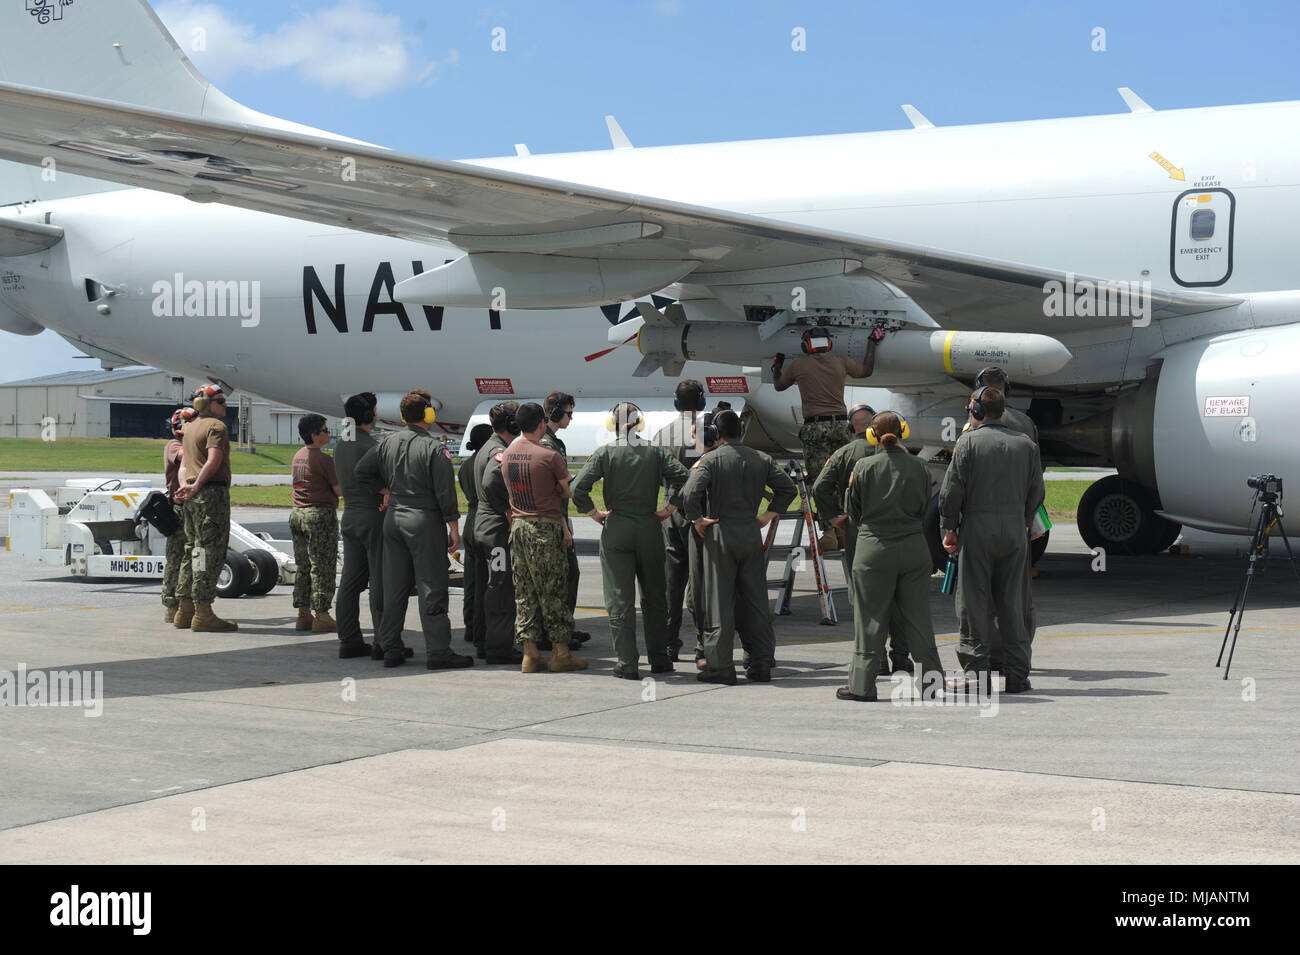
[[934, 536], [1120, 517], [266, 572], [1039, 547], [236, 573]]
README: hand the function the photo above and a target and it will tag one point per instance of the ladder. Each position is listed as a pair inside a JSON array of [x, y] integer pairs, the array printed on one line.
[[805, 518]]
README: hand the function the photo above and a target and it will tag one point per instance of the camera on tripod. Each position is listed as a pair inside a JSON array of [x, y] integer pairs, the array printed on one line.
[[1265, 485]]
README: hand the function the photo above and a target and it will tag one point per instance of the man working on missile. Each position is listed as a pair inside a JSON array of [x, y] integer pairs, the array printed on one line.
[[820, 376]]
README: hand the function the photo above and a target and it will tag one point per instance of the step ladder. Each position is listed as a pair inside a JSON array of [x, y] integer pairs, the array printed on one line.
[[806, 519]]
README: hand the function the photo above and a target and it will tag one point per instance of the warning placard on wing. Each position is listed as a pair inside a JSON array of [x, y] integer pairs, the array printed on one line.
[[1227, 407]]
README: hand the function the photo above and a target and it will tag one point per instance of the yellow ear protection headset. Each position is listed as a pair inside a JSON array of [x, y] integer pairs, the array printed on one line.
[[815, 341], [611, 422], [561, 403], [976, 408], [904, 431], [430, 415]]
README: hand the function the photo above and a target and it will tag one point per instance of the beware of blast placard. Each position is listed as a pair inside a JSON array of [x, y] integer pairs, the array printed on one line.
[[1234, 407]]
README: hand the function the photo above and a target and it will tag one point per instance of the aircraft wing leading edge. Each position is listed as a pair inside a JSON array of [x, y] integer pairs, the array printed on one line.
[[480, 209]]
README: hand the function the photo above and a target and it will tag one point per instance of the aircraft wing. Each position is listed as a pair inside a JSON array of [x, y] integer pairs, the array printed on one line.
[[633, 243]]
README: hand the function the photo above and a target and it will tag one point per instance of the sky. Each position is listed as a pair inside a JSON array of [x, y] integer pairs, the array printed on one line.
[[456, 80]]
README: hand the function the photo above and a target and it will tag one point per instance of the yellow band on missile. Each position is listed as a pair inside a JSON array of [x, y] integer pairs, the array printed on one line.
[[638, 340], [947, 352]]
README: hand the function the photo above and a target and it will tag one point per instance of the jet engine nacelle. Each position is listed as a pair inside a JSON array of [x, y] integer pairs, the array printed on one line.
[[1225, 409]]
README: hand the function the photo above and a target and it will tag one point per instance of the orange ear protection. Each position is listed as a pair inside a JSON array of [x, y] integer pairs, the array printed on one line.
[[904, 431], [815, 341]]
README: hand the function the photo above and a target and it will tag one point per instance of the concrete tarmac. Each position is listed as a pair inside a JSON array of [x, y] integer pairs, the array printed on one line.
[[262, 746]]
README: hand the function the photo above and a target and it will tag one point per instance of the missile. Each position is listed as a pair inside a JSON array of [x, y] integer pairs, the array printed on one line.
[[962, 354]]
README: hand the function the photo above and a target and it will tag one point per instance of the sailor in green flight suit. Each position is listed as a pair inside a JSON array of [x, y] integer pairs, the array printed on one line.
[[887, 499], [631, 541]]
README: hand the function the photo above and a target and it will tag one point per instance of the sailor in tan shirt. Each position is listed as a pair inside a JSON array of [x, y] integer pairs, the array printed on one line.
[[820, 376]]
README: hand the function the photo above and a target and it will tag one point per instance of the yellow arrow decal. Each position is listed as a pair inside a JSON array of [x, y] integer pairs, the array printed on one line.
[[1175, 172]]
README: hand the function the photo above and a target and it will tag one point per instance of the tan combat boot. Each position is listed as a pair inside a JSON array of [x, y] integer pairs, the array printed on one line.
[[533, 662], [304, 619], [562, 661], [184, 615], [205, 621], [169, 614], [323, 623]]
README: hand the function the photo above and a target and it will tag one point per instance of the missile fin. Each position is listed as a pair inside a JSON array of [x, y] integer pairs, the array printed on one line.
[[650, 362], [657, 319]]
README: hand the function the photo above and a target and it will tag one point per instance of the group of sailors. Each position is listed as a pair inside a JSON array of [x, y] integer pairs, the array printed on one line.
[[682, 522]]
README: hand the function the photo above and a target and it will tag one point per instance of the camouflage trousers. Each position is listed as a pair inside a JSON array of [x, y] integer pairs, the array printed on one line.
[[207, 535], [539, 566], [175, 554], [821, 439], [315, 533]]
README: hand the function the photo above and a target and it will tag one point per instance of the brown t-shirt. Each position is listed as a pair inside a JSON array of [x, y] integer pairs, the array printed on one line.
[[821, 382], [200, 436], [172, 464], [314, 478], [532, 474]]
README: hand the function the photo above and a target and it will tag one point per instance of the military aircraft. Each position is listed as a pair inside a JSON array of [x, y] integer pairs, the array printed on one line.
[[1132, 271]]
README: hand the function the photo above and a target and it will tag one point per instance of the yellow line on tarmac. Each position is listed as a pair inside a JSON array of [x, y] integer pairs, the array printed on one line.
[[1144, 633]]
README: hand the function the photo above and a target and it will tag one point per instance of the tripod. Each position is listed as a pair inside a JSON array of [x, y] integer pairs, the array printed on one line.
[[1270, 514]]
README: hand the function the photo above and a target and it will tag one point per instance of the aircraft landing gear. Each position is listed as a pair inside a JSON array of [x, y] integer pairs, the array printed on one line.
[[1120, 516]]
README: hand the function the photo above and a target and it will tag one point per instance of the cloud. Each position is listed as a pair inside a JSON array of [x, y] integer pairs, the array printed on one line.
[[351, 46], [668, 8]]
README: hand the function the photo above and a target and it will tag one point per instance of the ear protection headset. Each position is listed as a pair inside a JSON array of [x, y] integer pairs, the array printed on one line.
[[861, 406], [203, 396], [815, 341], [561, 402], [512, 426], [430, 414], [977, 407], [179, 417], [697, 405], [904, 431], [611, 422], [1006, 379]]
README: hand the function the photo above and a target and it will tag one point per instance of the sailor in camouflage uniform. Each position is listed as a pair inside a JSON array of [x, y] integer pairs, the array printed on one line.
[[205, 494], [175, 556], [314, 524], [537, 481]]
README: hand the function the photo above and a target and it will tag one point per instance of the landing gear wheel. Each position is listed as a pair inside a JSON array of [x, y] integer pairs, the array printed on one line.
[[1039, 547], [266, 572], [235, 575], [1120, 517], [934, 536]]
